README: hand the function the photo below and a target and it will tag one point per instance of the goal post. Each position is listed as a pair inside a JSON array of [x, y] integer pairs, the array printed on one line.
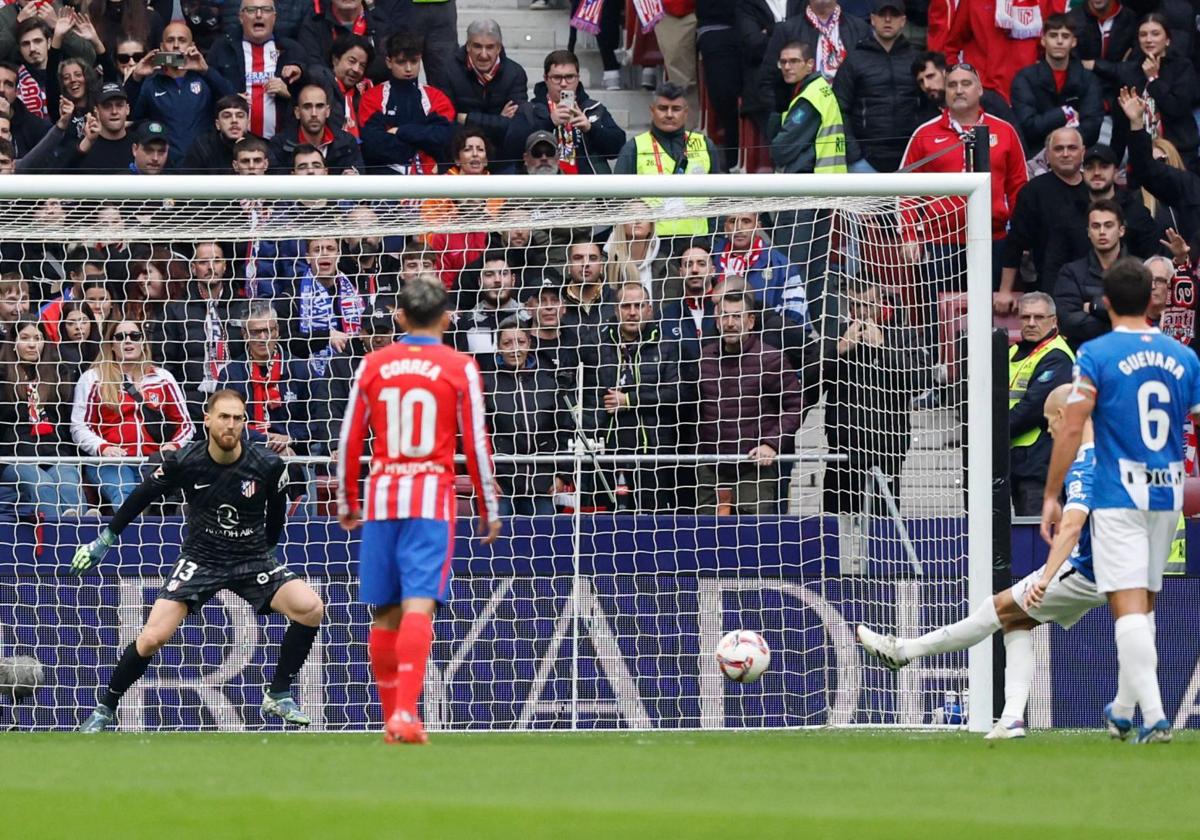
[[602, 612]]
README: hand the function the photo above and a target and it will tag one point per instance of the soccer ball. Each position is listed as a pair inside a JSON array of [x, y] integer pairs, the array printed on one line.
[[743, 656]]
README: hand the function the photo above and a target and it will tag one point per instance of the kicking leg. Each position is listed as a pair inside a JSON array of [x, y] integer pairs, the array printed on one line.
[[896, 653], [165, 618], [296, 600]]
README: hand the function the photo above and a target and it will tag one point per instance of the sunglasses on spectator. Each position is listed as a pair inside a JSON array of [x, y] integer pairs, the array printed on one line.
[[541, 152], [127, 336], [130, 58]]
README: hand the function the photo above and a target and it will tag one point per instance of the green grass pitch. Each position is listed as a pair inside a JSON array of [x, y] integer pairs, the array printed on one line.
[[621, 785]]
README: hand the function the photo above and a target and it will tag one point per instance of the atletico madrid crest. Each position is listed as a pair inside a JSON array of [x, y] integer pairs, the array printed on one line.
[[197, 87], [249, 488]]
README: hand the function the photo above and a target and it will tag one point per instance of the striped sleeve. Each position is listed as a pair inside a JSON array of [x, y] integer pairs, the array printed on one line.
[[476, 445], [176, 409], [84, 415], [355, 428]]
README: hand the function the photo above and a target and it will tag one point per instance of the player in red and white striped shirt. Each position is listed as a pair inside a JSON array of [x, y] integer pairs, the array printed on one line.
[[414, 400]]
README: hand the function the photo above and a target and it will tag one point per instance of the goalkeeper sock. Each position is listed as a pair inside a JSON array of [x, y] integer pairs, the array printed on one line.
[[412, 651], [130, 668], [381, 645], [1018, 674], [958, 636], [297, 642], [1138, 662]]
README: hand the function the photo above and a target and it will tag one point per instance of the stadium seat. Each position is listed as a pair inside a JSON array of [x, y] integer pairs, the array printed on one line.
[[754, 151], [464, 493]]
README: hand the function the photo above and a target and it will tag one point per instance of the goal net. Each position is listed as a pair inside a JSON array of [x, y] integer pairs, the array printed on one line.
[[717, 403]]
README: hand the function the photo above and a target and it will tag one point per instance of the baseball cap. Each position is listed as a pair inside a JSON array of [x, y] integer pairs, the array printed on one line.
[[539, 137], [1102, 153], [111, 90], [149, 132], [879, 5]]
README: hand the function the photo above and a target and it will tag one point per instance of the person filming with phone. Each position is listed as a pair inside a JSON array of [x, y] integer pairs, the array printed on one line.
[[175, 86], [587, 135]]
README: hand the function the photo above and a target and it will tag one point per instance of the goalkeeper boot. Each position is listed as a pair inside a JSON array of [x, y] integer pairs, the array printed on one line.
[[98, 720], [284, 708], [404, 728], [1159, 733], [1118, 728], [884, 648], [1003, 731]]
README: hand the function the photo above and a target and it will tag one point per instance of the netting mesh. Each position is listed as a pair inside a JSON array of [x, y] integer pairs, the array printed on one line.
[[708, 414]]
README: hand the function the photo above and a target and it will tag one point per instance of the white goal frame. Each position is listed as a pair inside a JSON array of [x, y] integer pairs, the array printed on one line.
[[975, 188]]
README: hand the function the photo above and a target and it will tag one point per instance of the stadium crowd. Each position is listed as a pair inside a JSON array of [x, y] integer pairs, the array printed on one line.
[[708, 336]]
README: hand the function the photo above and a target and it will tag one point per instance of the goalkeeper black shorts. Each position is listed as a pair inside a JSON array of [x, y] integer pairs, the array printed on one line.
[[254, 581]]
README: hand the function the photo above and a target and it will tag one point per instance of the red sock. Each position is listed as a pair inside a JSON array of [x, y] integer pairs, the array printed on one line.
[[412, 651], [381, 645]]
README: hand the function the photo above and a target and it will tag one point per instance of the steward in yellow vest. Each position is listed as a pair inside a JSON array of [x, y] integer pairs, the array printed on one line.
[[1036, 366], [812, 136]]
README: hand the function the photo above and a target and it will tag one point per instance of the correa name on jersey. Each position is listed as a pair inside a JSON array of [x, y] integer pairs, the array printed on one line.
[[1146, 384]]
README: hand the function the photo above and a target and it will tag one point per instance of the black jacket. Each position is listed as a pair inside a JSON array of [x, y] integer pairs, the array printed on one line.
[[342, 153], [1038, 103], [1174, 92], [593, 150], [483, 104], [185, 340], [772, 90], [320, 29], [526, 418], [210, 153], [17, 435], [27, 128], [1050, 222], [1122, 37], [1178, 188], [879, 99], [1053, 369], [648, 374], [1081, 282], [755, 25]]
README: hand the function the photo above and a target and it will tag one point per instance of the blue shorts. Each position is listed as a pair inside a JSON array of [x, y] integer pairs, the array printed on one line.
[[405, 558]]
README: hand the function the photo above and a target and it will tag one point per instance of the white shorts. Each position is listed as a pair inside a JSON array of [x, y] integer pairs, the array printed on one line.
[[1068, 597], [1130, 548]]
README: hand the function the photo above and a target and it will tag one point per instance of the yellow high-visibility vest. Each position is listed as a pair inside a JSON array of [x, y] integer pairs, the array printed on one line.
[[830, 144], [1019, 374], [652, 159]]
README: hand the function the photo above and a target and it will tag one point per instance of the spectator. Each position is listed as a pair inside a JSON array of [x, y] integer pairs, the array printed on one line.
[[998, 39], [1049, 220], [81, 265], [811, 135], [1038, 364], [630, 397], [555, 348], [79, 342], [1167, 83], [437, 21], [376, 332], [151, 149], [453, 250], [406, 126], [10, 304], [146, 301], [288, 15], [875, 88], [181, 96], [33, 42], [724, 79], [373, 272], [284, 403], [827, 30], [676, 36], [485, 85], [1179, 188], [327, 309], [126, 406], [332, 20], [107, 145], [338, 148], [690, 319], [583, 293], [929, 69], [749, 403], [1079, 293], [99, 300], [476, 329], [260, 65], [27, 128], [525, 416], [635, 253], [586, 134], [939, 234], [251, 156], [345, 80], [756, 22], [1106, 32], [1100, 174], [541, 155], [212, 152], [8, 162], [668, 148], [745, 252], [33, 424], [130, 50], [197, 327], [1164, 215], [1057, 91], [870, 381], [1172, 302]]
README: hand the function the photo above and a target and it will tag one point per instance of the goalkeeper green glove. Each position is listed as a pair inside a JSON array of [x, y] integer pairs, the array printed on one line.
[[87, 556]]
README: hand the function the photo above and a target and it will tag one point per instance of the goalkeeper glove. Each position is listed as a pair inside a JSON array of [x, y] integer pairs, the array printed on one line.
[[87, 556]]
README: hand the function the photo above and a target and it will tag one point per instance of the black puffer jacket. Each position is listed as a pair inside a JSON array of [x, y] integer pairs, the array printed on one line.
[[1039, 103], [527, 418], [879, 99], [483, 104], [1082, 282], [1174, 93], [648, 374], [1122, 37]]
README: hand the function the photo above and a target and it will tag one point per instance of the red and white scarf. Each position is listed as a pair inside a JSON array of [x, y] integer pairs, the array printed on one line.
[[265, 393], [31, 94], [484, 77], [350, 98], [1022, 19], [39, 421], [830, 50], [261, 62], [566, 137], [732, 264], [587, 14]]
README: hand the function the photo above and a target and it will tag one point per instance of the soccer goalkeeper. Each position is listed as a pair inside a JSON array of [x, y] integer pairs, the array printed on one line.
[[235, 515]]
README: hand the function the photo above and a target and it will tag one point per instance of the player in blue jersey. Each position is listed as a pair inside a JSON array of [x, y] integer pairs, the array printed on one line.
[[1052, 593], [1138, 386]]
